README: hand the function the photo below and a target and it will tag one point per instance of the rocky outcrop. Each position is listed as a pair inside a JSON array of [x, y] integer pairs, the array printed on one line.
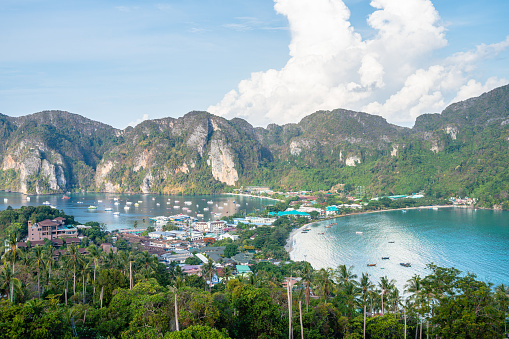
[[352, 160], [36, 173], [221, 161]]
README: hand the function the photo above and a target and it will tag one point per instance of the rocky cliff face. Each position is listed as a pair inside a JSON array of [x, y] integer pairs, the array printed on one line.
[[53, 151]]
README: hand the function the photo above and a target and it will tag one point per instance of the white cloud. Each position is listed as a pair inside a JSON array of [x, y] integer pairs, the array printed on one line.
[[331, 66], [138, 121]]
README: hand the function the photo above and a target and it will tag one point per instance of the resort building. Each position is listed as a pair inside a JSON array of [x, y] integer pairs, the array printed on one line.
[[51, 229], [217, 226]]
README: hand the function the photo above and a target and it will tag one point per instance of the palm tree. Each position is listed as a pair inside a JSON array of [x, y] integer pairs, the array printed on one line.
[[385, 286], [11, 256], [9, 283], [39, 262], [345, 275], [307, 275], [85, 267], [49, 252], [208, 270], [324, 282], [148, 263], [227, 274], [350, 292], [502, 296], [94, 254], [366, 287], [65, 263], [414, 286], [74, 256]]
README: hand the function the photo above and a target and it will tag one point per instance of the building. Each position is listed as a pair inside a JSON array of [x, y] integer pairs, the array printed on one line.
[[217, 226], [51, 229]]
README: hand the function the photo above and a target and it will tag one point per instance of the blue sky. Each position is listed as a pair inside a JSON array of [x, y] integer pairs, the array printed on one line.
[[120, 62]]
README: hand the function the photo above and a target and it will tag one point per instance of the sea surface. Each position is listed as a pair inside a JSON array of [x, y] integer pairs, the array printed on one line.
[[475, 241], [77, 206]]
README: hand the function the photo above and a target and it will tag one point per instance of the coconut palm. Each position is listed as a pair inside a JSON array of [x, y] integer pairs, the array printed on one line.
[[307, 275], [49, 253], [208, 270], [74, 256], [94, 254], [9, 284], [147, 262], [502, 297], [39, 263], [366, 287], [414, 287], [227, 274], [84, 268], [345, 275], [350, 292], [11, 256], [385, 286], [324, 282]]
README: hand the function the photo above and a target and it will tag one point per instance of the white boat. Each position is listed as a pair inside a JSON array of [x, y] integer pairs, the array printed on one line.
[[206, 209], [177, 201], [238, 205], [187, 202], [128, 203], [199, 215], [220, 207], [28, 198], [46, 203], [108, 209], [92, 207], [225, 203], [6, 200], [153, 199], [140, 201], [358, 232], [116, 213], [176, 207], [80, 202], [126, 207], [158, 204], [53, 206], [210, 202], [99, 201], [116, 203], [116, 199]]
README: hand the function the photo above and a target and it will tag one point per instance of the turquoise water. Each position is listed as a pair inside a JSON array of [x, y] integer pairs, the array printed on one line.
[[475, 241], [223, 205]]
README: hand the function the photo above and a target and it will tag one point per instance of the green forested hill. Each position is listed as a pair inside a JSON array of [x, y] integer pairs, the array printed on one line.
[[462, 151]]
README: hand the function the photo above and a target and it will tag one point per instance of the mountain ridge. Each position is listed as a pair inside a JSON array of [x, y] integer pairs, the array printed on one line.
[[56, 151]]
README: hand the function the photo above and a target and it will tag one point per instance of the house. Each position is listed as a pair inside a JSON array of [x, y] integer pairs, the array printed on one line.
[[331, 210], [243, 258], [50, 229], [228, 236], [107, 247], [177, 256], [217, 226], [243, 270]]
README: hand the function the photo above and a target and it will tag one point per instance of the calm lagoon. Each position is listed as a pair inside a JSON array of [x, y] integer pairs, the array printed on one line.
[[149, 205], [475, 241]]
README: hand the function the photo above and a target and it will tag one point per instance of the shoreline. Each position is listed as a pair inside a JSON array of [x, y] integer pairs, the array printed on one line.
[[289, 241], [252, 196]]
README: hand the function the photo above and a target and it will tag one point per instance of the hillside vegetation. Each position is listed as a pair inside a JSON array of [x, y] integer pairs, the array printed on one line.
[[463, 151]]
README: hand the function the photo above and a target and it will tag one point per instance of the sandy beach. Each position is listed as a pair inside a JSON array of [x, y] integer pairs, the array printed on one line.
[[253, 196]]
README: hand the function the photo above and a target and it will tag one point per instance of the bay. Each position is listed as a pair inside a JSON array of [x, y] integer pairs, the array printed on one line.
[[77, 206], [475, 241]]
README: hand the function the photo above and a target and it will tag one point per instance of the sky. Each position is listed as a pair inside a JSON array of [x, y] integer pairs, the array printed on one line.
[[122, 62]]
